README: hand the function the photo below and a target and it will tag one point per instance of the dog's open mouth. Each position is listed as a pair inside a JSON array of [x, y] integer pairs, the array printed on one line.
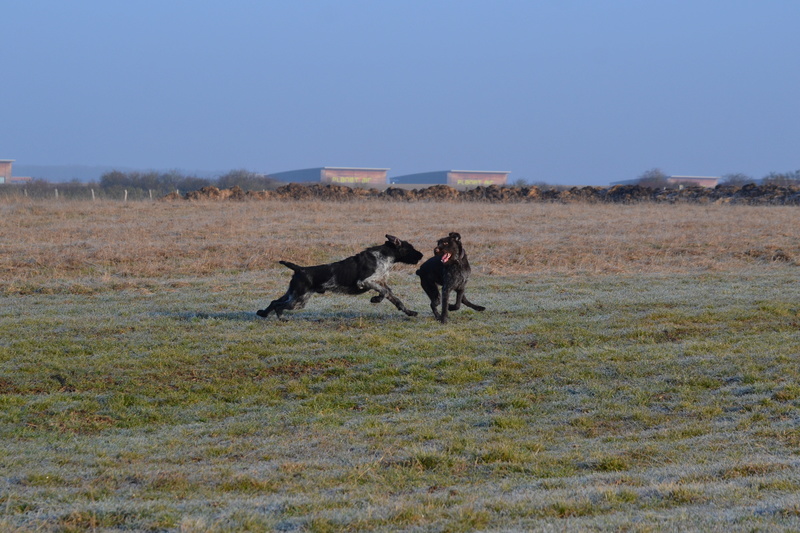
[[446, 257]]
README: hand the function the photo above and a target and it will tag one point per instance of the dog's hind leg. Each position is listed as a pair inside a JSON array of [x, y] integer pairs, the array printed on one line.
[[456, 306], [288, 301], [276, 305], [264, 313], [472, 305], [296, 295]]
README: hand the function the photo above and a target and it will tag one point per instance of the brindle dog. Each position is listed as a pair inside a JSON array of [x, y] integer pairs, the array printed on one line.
[[448, 269]]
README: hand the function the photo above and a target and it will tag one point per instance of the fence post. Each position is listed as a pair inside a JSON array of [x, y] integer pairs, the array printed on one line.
[[126, 195], [151, 193], [56, 193], [93, 195]]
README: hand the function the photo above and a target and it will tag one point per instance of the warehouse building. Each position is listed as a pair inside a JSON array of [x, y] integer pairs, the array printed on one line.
[[702, 181], [461, 179], [350, 176], [5, 170]]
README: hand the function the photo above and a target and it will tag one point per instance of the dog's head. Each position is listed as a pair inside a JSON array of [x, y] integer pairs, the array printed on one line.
[[404, 252], [449, 249]]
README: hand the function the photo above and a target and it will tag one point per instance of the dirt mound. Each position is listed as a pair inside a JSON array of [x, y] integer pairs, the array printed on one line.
[[747, 195]]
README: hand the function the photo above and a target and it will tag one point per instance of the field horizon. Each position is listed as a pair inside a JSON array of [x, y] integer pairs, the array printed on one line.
[[636, 369]]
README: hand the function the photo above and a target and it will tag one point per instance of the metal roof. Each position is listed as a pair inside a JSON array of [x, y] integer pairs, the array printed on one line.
[[352, 168], [481, 171]]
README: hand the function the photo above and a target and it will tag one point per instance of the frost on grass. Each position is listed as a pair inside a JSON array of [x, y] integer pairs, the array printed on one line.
[[611, 384]]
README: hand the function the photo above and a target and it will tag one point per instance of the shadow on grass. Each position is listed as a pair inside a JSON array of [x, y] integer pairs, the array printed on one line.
[[298, 316], [244, 316], [337, 316], [348, 315]]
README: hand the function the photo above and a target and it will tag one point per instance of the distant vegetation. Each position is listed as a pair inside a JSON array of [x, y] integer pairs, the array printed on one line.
[[152, 184], [656, 179], [783, 179], [140, 185]]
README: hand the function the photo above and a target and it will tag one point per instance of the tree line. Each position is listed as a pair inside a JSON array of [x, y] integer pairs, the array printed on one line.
[[151, 184], [139, 185], [656, 179]]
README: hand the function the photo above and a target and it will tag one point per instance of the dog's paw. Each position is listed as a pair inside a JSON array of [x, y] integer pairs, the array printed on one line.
[[479, 308], [262, 313], [376, 299], [411, 313]]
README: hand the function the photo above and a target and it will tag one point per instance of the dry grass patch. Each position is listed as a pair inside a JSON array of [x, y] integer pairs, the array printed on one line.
[[85, 245]]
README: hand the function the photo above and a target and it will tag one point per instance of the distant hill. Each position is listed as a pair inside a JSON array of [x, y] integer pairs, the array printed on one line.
[[86, 173]]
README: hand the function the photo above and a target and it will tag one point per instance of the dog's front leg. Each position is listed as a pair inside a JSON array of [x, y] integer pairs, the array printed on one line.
[[445, 306], [435, 307], [385, 292]]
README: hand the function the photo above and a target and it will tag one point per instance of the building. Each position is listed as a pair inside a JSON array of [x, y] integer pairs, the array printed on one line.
[[703, 181], [351, 176], [5, 170], [454, 178]]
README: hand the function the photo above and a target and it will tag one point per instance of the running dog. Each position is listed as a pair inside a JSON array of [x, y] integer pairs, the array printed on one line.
[[367, 270], [448, 269]]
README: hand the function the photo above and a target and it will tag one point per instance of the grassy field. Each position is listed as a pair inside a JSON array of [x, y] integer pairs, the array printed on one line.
[[636, 370]]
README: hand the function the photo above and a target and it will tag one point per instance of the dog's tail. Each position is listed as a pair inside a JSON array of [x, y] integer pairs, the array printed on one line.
[[296, 268]]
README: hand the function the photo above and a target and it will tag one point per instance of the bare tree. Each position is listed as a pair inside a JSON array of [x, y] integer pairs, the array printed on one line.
[[736, 180], [653, 178], [782, 179], [249, 181]]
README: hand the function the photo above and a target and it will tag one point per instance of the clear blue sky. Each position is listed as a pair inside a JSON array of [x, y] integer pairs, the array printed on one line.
[[561, 91]]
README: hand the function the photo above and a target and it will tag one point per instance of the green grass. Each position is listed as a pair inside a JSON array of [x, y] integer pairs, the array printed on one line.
[[635, 402]]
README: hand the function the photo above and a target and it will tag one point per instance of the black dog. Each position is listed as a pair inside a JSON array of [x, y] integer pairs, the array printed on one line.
[[449, 269], [358, 274]]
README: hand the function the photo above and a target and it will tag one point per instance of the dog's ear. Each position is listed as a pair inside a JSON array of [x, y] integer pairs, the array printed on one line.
[[392, 239], [455, 236]]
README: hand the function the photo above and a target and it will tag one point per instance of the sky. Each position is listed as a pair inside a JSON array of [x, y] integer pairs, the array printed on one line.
[[570, 92]]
